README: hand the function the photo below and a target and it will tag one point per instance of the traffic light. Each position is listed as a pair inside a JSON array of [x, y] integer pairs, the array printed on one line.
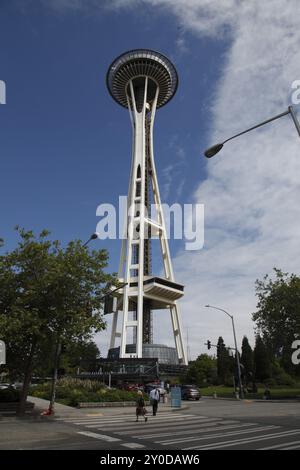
[[208, 344]]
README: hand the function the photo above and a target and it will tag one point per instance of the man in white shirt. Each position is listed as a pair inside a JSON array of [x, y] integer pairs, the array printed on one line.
[[154, 399]]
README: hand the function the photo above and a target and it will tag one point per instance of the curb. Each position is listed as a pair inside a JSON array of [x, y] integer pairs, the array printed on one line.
[[64, 411], [256, 400], [126, 411]]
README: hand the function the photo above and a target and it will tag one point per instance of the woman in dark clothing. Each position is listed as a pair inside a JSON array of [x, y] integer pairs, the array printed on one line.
[[140, 406]]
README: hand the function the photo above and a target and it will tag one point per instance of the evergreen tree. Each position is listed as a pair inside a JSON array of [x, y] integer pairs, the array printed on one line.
[[247, 360], [224, 362], [262, 364]]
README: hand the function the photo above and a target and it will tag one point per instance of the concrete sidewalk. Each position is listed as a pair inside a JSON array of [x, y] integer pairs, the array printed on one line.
[[63, 411]]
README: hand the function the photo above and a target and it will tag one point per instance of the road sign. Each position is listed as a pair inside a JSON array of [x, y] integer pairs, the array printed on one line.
[[176, 397]]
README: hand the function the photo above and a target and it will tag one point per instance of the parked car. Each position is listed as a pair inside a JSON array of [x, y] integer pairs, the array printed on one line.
[[190, 392], [161, 390], [130, 387], [4, 386]]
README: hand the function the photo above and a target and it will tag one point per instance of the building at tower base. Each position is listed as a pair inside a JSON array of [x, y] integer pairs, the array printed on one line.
[[162, 353]]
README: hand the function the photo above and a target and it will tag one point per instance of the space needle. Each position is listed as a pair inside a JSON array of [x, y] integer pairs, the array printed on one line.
[[143, 81]]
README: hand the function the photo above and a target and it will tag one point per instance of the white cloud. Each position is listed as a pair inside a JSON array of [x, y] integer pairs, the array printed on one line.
[[174, 172], [252, 190], [88, 6]]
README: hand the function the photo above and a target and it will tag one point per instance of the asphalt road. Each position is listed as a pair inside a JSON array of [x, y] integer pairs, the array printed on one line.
[[204, 425]]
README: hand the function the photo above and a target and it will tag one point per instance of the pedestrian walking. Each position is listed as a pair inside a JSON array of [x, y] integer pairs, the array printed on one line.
[[140, 406], [154, 399]]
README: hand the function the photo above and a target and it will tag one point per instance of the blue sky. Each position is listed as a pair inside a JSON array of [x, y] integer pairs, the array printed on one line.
[[66, 145]]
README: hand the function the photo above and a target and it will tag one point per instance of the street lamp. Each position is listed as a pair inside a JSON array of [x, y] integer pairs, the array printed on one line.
[[123, 284], [92, 237], [236, 348], [212, 151]]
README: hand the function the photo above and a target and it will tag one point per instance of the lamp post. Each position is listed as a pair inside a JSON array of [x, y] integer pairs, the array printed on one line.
[[92, 237], [236, 348], [212, 151], [123, 284]]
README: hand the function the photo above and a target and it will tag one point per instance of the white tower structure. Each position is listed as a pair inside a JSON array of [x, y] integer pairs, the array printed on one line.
[[143, 81]]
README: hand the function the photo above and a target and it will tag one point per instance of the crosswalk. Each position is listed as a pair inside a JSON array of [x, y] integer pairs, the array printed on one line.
[[185, 431]]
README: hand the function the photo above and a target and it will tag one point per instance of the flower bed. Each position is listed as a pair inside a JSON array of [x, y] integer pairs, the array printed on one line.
[[73, 392]]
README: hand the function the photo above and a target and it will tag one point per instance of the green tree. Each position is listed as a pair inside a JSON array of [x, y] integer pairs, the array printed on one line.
[[225, 362], [75, 355], [262, 363], [278, 315], [48, 295], [79, 355], [202, 371], [247, 360]]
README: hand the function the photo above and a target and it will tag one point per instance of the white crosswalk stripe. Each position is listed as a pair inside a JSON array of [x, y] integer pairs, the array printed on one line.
[[132, 445], [222, 434], [129, 422], [297, 447], [102, 437], [126, 419], [283, 446], [243, 441], [141, 426], [184, 431], [164, 430], [198, 430]]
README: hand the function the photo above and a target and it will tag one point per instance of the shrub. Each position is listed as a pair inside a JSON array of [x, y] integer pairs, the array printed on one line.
[[280, 376], [74, 391], [40, 394], [228, 381], [270, 383]]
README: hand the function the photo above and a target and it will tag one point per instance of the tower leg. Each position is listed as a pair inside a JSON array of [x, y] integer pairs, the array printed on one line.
[[177, 331], [114, 330], [114, 333], [165, 251]]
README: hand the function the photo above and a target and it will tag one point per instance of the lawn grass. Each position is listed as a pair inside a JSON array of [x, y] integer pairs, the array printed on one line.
[[276, 392]]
